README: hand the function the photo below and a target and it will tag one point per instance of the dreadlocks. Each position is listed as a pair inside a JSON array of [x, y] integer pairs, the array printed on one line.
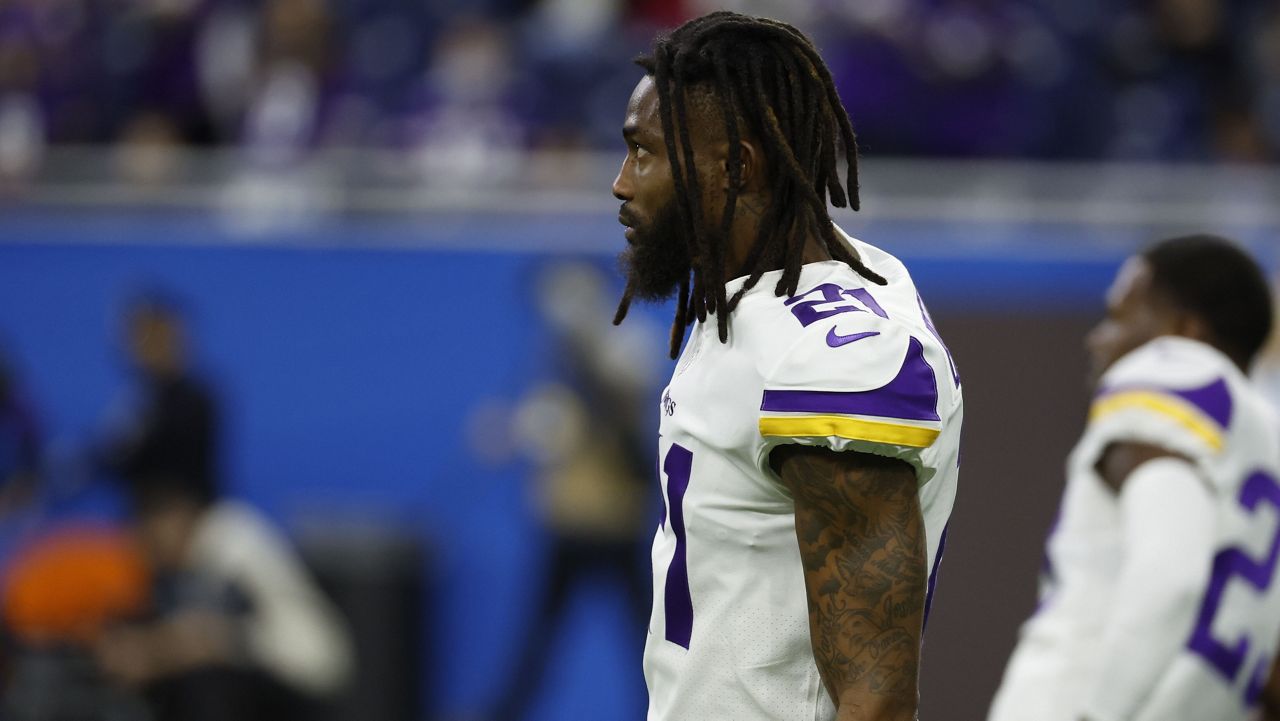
[[768, 76]]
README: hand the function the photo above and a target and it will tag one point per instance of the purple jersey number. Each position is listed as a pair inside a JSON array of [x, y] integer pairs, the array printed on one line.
[[1228, 658], [676, 599], [831, 300]]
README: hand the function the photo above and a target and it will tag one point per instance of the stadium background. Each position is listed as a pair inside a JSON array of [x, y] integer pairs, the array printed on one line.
[[352, 199]]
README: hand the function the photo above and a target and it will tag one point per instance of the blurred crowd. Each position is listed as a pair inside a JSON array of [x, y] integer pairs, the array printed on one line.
[[450, 85]]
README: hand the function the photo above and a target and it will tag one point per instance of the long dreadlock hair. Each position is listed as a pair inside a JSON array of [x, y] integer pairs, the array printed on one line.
[[768, 76]]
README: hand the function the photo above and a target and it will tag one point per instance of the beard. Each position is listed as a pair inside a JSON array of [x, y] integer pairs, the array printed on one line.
[[657, 260]]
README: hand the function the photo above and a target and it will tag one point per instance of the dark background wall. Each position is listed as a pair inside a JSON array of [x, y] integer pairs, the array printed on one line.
[[1025, 402], [357, 358]]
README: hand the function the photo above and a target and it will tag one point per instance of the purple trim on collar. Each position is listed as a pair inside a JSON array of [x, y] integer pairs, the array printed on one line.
[[912, 395], [1214, 399]]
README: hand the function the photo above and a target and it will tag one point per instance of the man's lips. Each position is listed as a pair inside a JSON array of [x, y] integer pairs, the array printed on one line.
[[627, 223]]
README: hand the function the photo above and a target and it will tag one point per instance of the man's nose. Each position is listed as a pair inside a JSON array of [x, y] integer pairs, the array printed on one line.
[[621, 184]]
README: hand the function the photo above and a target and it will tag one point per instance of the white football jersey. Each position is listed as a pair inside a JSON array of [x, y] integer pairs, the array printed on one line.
[[845, 364], [1188, 398]]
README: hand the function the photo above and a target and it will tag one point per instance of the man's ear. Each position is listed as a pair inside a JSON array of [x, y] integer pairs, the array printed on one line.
[[1191, 325], [750, 162]]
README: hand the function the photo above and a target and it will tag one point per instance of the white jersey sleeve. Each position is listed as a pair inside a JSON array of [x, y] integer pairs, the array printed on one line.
[[888, 407], [1163, 396]]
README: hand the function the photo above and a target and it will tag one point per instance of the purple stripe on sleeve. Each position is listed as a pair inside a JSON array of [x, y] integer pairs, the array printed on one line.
[[912, 395], [1214, 400]]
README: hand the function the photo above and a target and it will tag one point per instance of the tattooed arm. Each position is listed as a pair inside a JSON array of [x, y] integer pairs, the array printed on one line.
[[862, 542]]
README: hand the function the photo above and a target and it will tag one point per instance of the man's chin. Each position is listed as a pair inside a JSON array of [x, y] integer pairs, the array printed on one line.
[[651, 294], [648, 284]]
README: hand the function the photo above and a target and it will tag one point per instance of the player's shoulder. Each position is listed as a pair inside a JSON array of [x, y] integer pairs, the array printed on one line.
[[848, 369], [834, 331], [1169, 360], [1178, 370], [1171, 390]]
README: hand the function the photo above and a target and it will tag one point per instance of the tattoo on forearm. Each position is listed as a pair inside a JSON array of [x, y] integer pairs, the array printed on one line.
[[862, 541]]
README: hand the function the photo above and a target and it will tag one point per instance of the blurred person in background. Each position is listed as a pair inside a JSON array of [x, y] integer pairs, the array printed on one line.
[[62, 587], [1266, 375], [588, 435], [166, 428], [19, 444], [809, 437], [291, 84], [23, 122], [466, 132], [64, 577], [1157, 601], [1181, 83], [292, 81], [237, 629]]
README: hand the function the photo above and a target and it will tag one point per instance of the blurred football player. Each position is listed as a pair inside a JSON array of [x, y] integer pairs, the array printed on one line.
[[810, 433], [1157, 601]]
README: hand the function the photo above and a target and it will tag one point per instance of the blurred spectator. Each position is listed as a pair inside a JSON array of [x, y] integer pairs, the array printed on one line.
[[148, 152], [465, 132], [19, 444], [62, 589], [22, 120], [292, 82], [1264, 62], [238, 630], [169, 437], [66, 585], [588, 436]]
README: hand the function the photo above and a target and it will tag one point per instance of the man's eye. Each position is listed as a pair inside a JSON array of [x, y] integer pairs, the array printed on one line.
[[640, 152]]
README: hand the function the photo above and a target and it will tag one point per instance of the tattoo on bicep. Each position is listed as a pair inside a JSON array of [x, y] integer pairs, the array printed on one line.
[[862, 542]]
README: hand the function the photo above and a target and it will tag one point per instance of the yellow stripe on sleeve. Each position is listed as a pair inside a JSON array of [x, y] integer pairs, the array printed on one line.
[[1175, 409], [850, 428]]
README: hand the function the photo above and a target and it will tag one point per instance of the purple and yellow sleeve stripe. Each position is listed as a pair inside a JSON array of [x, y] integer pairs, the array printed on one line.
[[854, 429], [1204, 412], [903, 412]]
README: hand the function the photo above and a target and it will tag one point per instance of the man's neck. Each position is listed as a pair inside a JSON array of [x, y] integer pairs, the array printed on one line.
[[746, 229]]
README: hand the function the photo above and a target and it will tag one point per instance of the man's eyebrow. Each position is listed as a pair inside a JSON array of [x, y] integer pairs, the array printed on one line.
[[630, 130]]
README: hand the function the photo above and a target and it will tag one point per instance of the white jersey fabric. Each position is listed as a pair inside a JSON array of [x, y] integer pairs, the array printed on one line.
[[1190, 399], [845, 364]]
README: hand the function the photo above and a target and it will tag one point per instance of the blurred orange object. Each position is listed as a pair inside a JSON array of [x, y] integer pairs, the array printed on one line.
[[66, 585]]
